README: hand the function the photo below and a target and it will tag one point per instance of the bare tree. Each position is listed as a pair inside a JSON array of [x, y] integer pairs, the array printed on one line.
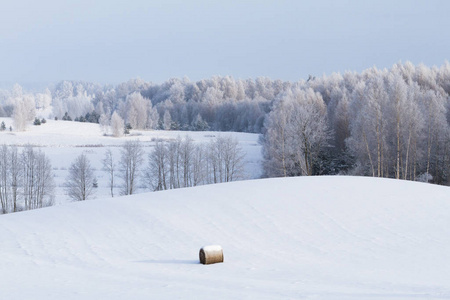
[[132, 158], [37, 179], [198, 165], [110, 167], [44, 182], [233, 159], [158, 164], [173, 149], [226, 159], [214, 158], [16, 173], [181, 163], [186, 153], [4, 179], [80, 182], [28, 161]]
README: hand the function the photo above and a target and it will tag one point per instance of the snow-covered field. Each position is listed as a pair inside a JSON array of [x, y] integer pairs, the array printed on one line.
[[294, 238], [63, 141], [298, 238]]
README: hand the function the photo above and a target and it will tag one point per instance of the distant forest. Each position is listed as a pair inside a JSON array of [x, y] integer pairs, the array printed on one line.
[[385, 123]]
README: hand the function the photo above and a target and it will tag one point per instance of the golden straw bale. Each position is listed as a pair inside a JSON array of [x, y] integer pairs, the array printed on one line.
[[211, 254]]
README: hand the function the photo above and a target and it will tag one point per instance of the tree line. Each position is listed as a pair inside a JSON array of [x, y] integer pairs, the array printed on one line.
[[170, 165], [26, 179], [387, 123], [26, 176]]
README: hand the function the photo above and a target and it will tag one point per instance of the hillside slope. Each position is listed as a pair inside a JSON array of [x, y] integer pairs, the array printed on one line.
[[317, 237]]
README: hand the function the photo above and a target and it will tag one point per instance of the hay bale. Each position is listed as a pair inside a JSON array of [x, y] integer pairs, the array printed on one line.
[[211, 254]]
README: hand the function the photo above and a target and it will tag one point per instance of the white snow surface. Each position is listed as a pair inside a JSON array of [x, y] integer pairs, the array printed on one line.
[[212, 248], [292, 238]]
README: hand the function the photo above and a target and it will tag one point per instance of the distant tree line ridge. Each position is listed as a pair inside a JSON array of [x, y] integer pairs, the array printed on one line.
[[387, 123]]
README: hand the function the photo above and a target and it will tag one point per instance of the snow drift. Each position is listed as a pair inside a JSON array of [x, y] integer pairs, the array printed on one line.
[[316, 237]]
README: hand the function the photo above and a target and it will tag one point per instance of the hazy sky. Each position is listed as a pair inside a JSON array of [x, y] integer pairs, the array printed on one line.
[[110, 41]]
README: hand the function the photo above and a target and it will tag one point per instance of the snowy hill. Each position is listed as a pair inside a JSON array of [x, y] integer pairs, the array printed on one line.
[[317, 237]]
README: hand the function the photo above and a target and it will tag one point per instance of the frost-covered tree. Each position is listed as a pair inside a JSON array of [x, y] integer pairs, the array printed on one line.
[[137, 110], [399, 107], [104, 123], [412, 133], [24, 112], [117, 125], [388, 123], [277, 158], [296, 133], [152, 117], [43, 103], [433, 106], [167, 120], [369, 127], [338, 117]]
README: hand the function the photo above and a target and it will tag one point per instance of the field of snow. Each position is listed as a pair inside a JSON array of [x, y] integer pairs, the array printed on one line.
[[294, 238], [63, 141]]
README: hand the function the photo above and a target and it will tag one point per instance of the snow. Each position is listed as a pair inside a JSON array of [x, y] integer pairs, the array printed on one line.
[[291, 238], [310, 237], [212, 248], [63, 141]]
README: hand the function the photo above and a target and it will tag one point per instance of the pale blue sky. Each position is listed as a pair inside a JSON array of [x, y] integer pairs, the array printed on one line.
[[113, 41]]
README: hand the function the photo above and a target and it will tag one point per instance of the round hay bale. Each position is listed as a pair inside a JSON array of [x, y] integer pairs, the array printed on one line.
[[211, 254]]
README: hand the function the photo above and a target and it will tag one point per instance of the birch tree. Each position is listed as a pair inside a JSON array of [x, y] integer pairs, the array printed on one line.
[[24, 111], [109, 166], [5, 179], [296, 133], [80, 182], [137, 110], [16, 174], [117, 124], [157, 170], [131, 159], [37, 179]]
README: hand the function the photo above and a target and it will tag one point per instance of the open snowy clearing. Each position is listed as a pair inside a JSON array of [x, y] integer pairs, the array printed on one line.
[[63, 141], [310, 238]]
